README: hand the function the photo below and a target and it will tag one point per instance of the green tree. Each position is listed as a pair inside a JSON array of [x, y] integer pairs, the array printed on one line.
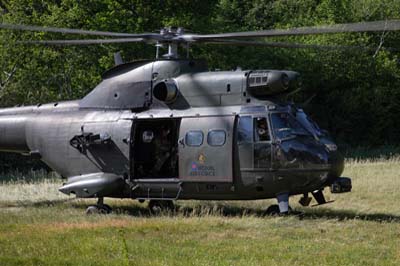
[[354, 92]]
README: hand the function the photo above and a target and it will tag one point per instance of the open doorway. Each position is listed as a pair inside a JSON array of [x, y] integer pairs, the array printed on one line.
[[154, 151]]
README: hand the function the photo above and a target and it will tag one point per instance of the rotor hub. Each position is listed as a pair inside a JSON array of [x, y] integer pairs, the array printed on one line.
[[171, 32]]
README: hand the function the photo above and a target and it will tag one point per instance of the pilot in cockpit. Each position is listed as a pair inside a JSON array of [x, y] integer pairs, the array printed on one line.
[[262, 129]]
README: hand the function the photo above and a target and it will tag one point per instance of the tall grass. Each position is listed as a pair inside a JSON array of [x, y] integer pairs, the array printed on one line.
[[359, 228], [30, 187], [376, 182]]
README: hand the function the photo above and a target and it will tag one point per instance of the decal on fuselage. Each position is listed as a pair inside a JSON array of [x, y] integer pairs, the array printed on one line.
[[199, 168]]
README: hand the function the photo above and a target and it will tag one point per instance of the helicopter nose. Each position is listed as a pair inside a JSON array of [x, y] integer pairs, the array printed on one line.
[[337, 183], [335, 160]]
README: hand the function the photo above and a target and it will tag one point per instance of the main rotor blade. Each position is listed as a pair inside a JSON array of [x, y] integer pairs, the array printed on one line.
[[388, 25], [83, 42], [287, 45], [74, 31]]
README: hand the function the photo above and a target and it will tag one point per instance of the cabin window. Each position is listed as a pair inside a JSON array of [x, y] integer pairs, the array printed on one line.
[[261, 132], [194, 138], [245, 129], [216, 138]]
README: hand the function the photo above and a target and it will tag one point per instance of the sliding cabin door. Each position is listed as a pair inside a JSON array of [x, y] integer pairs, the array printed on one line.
[[206, 149]]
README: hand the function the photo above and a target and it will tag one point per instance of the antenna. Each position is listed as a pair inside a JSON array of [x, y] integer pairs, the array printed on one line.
[[118, 59], [158, 46]]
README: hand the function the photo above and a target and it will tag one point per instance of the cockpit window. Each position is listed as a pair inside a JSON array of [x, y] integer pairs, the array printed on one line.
[[245, 129], [286, 126], [308, 123]]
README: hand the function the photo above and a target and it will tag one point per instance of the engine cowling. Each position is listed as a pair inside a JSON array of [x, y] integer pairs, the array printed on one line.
[[265, 83]]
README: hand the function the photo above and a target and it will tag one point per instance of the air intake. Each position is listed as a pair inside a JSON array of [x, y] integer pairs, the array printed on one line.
[[166, 91]]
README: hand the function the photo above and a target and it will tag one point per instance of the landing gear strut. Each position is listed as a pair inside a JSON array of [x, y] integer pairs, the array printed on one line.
[[283, 202], [99, 208], [282, 208], [157, 206]]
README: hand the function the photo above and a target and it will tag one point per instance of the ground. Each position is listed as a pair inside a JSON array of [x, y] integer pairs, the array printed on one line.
[[40, 226]]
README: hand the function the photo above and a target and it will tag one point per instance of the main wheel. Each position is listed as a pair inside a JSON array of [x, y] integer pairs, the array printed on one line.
[[92, 210], [105, 209], [157, 206], [274, 210], [98, 209]]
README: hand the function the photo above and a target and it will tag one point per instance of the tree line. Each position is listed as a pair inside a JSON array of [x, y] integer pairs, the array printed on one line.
[[354, 94]]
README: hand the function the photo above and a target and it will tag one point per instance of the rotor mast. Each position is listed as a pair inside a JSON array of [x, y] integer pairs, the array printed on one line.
[[170, 36]]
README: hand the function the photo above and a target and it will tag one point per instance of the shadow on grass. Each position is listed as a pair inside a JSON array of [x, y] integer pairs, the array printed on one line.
[[210, 210], [342, 215], [233, 211]]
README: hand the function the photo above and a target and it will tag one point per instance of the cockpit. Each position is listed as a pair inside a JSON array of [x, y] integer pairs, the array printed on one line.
[[283, 137], [285, 126], [282, 146]]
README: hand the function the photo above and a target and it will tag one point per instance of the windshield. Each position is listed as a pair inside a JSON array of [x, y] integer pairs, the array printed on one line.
[[308, 123], [286, 126]]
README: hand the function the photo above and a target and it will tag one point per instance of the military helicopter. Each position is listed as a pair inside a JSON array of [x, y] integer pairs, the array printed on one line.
[[169, 129]]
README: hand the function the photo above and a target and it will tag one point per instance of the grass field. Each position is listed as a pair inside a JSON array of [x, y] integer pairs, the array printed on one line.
[[40, 226]]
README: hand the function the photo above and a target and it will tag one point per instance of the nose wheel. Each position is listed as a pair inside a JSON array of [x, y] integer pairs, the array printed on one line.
[[99, 208]]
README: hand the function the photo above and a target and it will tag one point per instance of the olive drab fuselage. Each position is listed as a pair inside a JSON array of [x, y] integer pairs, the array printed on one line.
[[171, 129]]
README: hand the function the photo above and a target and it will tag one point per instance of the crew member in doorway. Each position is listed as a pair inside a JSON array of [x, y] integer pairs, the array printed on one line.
[[162, 145]]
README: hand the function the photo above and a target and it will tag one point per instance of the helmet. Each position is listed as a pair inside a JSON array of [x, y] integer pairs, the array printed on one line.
[[147, 136]]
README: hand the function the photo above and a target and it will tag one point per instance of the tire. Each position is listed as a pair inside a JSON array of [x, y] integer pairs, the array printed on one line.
[[155, 206], [106, 208], [274, 210], [92, 210], [96, 209], [158, 206]]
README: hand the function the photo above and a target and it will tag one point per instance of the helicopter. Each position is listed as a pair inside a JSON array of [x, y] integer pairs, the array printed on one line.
[[170, 129]]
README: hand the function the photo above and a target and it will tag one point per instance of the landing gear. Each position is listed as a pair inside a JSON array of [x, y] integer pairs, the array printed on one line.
[[305, 200], [282, 208], [320, 198], [158, 206], [274, 210], [283, 202], [99, 208]]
